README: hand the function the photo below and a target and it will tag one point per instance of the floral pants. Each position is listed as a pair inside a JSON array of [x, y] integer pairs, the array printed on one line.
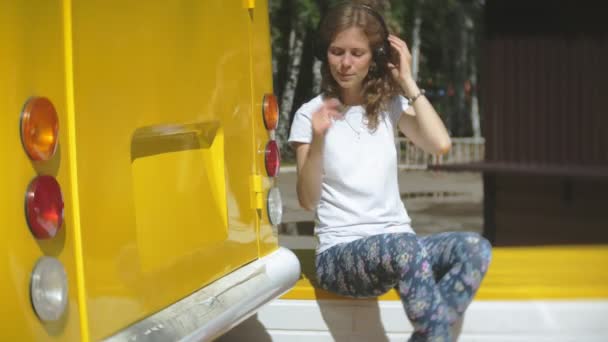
[[436, 276]]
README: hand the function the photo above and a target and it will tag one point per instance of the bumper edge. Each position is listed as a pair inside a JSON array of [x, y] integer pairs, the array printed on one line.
[[216, 308]]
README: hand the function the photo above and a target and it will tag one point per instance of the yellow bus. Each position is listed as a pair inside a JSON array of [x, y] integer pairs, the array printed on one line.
[[138, 169]]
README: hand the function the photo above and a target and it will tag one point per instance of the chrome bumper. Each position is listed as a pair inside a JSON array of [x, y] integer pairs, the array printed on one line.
[[216, 308]]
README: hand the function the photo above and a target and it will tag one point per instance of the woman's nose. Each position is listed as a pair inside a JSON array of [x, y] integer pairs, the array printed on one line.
[[347, 60]]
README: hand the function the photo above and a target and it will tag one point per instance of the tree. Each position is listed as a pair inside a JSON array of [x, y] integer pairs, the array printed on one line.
[[296, 18]]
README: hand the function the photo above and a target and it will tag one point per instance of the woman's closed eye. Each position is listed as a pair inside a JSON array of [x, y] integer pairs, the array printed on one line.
[[340, 52], [336, 51]]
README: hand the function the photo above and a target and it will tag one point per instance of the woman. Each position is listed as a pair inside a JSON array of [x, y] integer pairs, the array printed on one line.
[[347, 173]]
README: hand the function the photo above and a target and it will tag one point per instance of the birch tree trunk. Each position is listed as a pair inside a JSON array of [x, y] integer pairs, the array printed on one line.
[[475, 10], [316, 74], [462, 65], [416, 39], [475, 120], [296, 43]]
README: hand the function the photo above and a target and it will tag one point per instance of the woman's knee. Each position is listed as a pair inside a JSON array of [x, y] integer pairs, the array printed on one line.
[[476, 246]]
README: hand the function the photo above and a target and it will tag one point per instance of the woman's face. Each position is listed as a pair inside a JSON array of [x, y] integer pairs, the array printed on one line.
[[349, 58]]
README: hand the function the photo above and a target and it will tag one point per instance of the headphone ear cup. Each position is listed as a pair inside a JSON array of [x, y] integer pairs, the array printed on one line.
[[387, 50], [381, 56]]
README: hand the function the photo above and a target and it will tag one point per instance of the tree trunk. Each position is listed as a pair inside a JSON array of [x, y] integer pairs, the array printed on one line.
[[316, 81], [280, 43], [462, 64], [475, 120], [416, 39], [293, 70]]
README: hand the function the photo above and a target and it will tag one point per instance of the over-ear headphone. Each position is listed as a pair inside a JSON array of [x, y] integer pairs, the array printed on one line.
[[381, 54]]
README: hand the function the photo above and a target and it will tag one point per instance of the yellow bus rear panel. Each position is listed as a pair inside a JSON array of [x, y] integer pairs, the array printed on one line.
[[32, 64]]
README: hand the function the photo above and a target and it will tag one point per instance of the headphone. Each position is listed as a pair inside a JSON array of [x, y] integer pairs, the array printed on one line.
[[380, 54]]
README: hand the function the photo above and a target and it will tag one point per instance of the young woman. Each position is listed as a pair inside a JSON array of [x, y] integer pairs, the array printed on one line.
[[347, 173]]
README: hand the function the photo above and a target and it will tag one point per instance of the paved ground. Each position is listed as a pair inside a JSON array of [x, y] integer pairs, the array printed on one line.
[[436, 202]]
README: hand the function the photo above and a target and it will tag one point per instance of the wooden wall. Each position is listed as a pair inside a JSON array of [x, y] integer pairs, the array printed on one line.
[[545, 109]]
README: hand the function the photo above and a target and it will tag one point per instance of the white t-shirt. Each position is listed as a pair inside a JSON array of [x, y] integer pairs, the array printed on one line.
[[359, 189]]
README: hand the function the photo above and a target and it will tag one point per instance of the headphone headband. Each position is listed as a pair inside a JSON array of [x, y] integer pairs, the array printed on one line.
[[377, 15], [381, 52]]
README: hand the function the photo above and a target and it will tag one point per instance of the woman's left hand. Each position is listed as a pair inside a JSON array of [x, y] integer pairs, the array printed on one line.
[[401, 72]]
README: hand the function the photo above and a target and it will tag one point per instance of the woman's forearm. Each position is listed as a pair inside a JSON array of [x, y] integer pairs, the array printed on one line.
[[430, 127], [309, 175]]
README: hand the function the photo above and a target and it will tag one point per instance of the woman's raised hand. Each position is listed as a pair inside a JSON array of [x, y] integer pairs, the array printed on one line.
[[403, 71], [323, 117]]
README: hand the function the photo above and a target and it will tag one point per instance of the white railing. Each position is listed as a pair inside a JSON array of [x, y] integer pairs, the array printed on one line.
[[464, 150]]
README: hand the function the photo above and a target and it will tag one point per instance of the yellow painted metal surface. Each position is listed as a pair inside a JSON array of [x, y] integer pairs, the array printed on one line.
[[560, 272], [164, 131], [262, 84], [161, 156], [32, 63], [249, 4]]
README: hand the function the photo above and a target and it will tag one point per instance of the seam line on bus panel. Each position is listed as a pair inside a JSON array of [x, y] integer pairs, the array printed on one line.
[[70, 106], [259, 212]]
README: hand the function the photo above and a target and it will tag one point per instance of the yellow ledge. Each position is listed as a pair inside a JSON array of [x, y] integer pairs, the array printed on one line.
[[516, 273]]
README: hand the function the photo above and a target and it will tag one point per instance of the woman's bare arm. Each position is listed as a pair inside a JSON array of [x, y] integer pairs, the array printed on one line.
[[421, 123], [424, 127], [309, 168], [309, 157]]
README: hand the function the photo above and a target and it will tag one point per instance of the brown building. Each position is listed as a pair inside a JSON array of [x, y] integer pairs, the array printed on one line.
[[544, 102]]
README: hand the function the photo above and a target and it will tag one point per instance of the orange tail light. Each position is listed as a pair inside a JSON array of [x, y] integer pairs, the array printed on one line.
[[39, 128], [270, 109]]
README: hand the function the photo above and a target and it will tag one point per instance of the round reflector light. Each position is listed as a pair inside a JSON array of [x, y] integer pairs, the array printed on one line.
[[39, 128], [44, 207], [272, 158], [270, 110], [275, 206], [49, 289]]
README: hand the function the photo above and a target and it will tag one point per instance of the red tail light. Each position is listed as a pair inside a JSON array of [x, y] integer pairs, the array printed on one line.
[[39, 128], [44, 207], [270, 110], [272, 158]]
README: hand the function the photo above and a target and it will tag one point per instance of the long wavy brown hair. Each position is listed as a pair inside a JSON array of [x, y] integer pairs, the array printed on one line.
[[379, 86]]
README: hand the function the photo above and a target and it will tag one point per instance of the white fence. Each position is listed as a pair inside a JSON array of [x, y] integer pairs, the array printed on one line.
[[464, 150]]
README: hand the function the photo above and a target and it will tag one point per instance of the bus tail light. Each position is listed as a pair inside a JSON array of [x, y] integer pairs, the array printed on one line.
[[44, 207], [39, 128], [275, 206], [49, 289], [272, 158], [270, 111]]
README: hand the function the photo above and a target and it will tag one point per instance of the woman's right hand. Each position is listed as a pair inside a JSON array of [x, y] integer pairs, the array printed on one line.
[[323, 117]]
